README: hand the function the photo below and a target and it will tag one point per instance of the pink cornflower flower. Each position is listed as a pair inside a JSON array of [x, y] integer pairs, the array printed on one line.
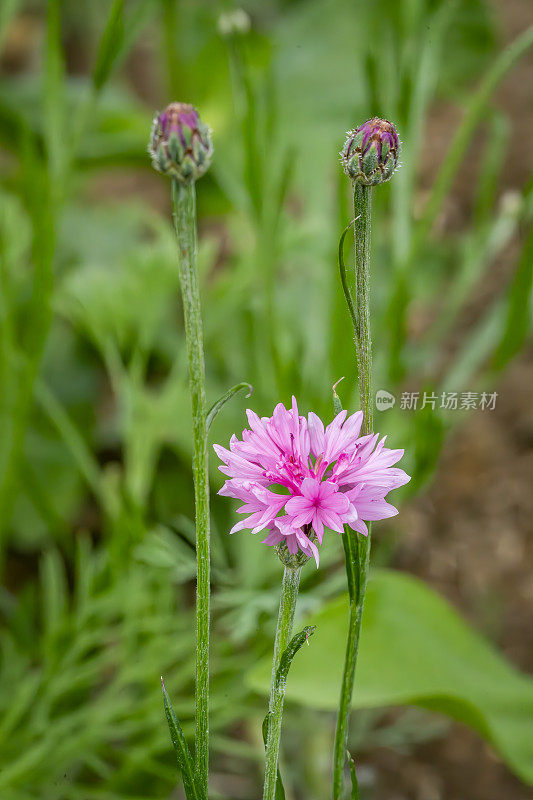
[[296, 477]]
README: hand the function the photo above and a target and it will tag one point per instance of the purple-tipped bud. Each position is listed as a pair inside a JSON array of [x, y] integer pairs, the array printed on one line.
[[371, 152], [180, 144]]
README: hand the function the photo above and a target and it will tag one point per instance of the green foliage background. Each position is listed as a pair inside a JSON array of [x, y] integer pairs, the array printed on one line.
[[96, 528]]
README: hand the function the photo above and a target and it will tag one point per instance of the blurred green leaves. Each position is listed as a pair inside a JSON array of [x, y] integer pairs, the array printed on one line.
[[415, 649]]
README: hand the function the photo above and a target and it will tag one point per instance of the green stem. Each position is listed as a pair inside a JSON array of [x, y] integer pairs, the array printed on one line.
[[287, 606], [357, 548], [184, 214], [362, 202]]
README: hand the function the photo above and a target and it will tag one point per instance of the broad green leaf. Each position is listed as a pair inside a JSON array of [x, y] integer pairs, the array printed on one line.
[[415, 649]]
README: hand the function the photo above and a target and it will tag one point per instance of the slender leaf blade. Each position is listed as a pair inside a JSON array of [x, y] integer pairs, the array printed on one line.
[[219, 404], [353, 776], [182, 751], [518, 315], [111, 45], [280, 790], [297, 641]]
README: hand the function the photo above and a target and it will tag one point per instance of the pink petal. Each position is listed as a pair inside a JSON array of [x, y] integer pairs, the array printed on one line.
[[297, 505], [331, 520], [310, 488], [316, 434], [337, 502], [318, 527], [376, 509]]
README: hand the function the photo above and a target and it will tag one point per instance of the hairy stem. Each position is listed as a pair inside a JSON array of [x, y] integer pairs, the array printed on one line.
[[287, 606], [184, 214], [362, 201], [356, 547]]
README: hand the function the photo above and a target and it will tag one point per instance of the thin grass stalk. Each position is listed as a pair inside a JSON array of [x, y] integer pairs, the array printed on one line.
[[184, 215]]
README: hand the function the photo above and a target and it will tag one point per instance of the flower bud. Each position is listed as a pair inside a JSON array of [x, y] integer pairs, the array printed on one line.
[[291, 560], [371, 152], [180, 144]]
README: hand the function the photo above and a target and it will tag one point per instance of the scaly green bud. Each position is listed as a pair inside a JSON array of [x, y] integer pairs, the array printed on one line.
[[180, 144], [371, 152]]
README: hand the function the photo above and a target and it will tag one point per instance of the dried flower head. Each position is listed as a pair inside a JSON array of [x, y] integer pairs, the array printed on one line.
[[296, 477], [180, 143], [371, 152]]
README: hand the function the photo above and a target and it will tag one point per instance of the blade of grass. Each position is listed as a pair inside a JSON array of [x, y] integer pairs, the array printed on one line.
[[181, 749], [111, 45], [518, 316], [474, 112]]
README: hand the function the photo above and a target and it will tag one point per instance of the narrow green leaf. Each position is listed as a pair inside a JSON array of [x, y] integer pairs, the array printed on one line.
[[297, 641], [54, 588], [491, 166], [280, 791], [518, 309], [474, 112], [182, 751], [345, 287], [54, 97], [351, 551], [221, 402], [119, 35], [353, 776], [111, 45], [337, 405], [287, 172]]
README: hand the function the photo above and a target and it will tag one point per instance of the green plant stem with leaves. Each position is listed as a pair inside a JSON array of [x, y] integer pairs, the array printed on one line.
[[287, 607], [356, 547], [184, 214]]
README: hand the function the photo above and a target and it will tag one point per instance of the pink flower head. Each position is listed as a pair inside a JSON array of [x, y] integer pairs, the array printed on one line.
[[296, 477]]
